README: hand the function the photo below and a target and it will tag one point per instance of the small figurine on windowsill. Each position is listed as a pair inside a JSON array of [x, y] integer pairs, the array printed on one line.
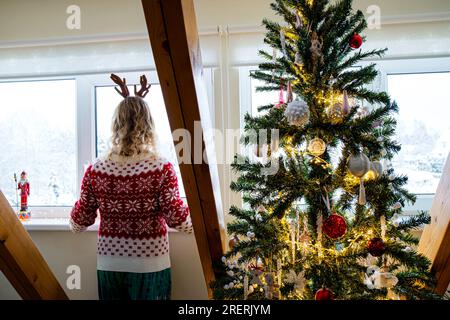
[[24, 187]]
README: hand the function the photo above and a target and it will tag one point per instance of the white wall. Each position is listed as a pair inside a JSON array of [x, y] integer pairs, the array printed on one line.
[[33, 34], [30, 19], [61, 249], [35, 42]]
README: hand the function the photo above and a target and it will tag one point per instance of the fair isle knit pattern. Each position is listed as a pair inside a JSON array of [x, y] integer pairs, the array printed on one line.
[[138, 199]]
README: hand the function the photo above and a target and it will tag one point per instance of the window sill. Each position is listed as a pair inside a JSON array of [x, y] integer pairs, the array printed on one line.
[[56, 219], [60, 224], [52, 224]]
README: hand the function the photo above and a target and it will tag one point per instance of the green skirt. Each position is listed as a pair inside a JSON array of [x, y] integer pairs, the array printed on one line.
[[134, 286]]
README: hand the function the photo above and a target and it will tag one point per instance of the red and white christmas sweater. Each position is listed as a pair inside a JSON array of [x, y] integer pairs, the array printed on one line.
[[138, 199]]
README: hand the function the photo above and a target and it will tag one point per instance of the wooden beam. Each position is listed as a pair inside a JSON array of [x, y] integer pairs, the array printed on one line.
[[174, 40], [435, 240], [21, 261]]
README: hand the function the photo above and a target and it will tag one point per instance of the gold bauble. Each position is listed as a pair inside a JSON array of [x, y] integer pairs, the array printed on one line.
[[317, 147]]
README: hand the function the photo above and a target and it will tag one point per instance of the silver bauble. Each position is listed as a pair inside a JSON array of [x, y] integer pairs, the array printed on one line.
[[377, 168], [358, 165]]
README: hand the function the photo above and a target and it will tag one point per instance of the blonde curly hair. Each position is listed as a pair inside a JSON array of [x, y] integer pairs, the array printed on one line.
[[133, 129]]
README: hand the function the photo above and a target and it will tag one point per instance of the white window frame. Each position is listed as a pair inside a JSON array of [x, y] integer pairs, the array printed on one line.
[[245, 92], [385, 67], [86, 128], [413, 66]]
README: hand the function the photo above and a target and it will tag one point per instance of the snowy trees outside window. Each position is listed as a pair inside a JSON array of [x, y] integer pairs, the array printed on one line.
[[423, 127], [38, 135]]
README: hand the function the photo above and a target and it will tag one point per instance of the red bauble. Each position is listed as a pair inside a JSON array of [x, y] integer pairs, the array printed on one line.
[[335, 226], [324, 294], [356, 41], [376, 247]]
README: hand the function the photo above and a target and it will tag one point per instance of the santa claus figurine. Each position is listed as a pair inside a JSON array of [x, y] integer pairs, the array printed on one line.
[[24, 187]]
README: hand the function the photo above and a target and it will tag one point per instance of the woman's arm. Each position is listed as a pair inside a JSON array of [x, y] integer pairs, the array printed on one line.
[[84, 211], [175, 211]]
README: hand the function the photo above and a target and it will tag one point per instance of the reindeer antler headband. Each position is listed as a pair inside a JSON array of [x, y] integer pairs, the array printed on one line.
[[122, 83]]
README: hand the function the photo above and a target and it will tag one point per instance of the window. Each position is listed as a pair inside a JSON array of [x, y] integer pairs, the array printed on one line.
[[53, 127], [264, 98], [423, 128], [38, 135], [107, 100]]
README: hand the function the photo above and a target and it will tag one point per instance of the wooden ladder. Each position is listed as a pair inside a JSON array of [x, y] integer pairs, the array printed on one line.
[[21, 261], [174, 39], [435, 240]]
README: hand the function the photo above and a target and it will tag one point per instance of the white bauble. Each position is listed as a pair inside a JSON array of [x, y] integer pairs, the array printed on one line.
[[297, 113], [250, 234], [358, 165], [317, 147]]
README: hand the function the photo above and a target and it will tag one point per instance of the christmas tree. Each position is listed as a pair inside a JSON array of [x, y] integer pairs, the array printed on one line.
[[326, 224]]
